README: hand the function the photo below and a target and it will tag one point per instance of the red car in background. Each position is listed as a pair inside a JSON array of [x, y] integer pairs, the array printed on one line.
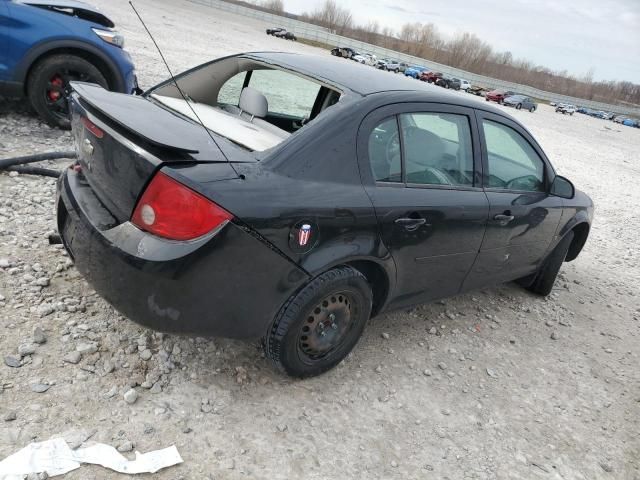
[[430, 77], [498, 95]]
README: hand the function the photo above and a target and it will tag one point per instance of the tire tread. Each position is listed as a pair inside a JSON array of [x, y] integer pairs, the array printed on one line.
[[289, 312]]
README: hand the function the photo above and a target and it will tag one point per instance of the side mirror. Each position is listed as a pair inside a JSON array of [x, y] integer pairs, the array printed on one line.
[[562, 187]]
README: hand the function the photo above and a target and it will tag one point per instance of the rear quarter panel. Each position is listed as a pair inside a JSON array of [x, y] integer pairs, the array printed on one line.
[[314, 179]]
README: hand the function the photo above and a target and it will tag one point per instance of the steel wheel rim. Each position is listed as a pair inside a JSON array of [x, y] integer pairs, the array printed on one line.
[[327, 325]]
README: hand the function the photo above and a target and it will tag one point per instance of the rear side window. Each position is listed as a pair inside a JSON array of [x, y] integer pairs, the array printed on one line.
[[437, 149], [513, 162]]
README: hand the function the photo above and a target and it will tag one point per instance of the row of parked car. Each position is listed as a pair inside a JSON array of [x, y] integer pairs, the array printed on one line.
[[568, 109], [440, 79]]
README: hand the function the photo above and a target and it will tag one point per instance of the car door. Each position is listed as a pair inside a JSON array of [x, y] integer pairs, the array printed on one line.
[[420, 166], [4, 40], [523, 215]]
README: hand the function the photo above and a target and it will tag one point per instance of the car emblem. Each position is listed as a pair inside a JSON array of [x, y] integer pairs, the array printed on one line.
[[303, 234]]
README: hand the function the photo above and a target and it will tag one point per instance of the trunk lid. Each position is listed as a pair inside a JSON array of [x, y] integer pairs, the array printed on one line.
[[122, 140]]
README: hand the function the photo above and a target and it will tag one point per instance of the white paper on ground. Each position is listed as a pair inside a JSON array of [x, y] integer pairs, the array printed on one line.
[[52, 456], [56, 458], [109, 457]]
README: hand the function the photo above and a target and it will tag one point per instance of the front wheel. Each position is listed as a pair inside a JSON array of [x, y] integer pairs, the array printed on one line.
[[518, 106], [48, 85], [318, 327], [532, 109]]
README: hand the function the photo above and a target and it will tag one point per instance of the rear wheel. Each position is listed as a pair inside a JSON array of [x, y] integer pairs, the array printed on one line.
[[518, 106], [48, 85], [542, 282], [318, 327]]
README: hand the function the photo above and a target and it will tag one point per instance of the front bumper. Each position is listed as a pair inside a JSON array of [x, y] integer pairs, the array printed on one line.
[[227, 284]]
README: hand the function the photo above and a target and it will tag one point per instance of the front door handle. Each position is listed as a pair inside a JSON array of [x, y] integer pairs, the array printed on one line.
[[503, 218], [410, 224]]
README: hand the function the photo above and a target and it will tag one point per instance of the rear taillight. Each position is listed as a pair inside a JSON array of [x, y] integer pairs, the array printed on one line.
[[172, 210], [92, 127]]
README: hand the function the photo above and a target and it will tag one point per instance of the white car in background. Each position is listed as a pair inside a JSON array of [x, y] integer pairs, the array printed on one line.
[[464, 85], [366, 59]]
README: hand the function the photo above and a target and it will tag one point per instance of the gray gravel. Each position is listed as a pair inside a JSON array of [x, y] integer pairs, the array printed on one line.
[[472, 387]]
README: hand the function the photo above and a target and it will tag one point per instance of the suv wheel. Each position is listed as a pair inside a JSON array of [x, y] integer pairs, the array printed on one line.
[[318, 327], [48, 85]]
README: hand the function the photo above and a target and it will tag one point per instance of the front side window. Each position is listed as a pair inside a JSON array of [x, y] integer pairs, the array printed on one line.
[[513, 162], [437, 149], [287, 94]]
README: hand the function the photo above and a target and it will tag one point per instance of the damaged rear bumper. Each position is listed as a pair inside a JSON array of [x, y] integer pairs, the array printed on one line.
[[228, 283]]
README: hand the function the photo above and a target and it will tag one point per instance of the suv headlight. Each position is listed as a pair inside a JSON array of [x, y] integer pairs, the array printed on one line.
[[110, 36]]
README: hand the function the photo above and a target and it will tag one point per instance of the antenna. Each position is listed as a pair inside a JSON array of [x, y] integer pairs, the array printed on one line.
[[184, 96]]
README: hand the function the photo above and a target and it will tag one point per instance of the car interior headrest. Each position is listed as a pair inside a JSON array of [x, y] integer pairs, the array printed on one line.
[[253, 102]]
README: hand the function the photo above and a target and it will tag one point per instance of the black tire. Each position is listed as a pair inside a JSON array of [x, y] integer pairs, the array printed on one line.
[[518, 106], [341, 296], [542, 282], [532, 109], [48, 85]]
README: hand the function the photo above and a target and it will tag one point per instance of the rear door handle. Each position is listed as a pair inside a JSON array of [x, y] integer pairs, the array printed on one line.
[[410, 224]]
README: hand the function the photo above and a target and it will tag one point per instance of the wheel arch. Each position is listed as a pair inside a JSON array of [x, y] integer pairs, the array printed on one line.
[[380, 273], [379, 280], [580, 225], [70, 47], [581, 233]]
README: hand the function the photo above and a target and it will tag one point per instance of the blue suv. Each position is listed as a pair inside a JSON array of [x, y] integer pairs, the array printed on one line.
[[46, 44]]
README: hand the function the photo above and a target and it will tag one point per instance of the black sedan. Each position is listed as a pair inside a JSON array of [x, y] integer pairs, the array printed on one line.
[[274, 30], [296, 218], [448, 82]]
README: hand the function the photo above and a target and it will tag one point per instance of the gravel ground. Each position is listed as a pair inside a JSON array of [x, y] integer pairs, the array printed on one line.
[[496, 384]]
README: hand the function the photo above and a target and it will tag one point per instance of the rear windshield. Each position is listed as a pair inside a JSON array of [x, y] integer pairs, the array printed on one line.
[[253, 105]]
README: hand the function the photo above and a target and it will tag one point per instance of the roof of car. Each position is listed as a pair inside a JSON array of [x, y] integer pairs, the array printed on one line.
[[362, 79]]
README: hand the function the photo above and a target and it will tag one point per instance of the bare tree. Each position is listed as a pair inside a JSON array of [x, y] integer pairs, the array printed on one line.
[[333, 17], [276, 6], [470, 53]]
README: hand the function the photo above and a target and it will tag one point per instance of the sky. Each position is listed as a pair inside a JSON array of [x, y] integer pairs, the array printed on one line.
[[572, 35]]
